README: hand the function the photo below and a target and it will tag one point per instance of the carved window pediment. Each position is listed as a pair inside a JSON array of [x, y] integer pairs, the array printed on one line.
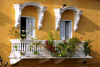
[[19, 7], [76, 12]]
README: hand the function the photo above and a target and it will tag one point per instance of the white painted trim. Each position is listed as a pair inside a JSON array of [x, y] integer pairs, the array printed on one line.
[[59, 11], [28, 17], [71, 26], [19, 7]]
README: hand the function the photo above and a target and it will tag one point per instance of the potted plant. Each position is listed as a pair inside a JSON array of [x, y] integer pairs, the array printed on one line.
[[87, 47]]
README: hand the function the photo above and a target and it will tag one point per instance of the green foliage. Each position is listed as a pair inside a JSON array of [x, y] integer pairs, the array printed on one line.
[[37, 43], [35, 52], [14, 33], [50, 42], [68, 48], [22, 53], [16, 47], [52, 36], [74, 40], [87, 47], [31, 47]]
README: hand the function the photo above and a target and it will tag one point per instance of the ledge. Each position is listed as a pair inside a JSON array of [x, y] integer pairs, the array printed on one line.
[[45, 59]]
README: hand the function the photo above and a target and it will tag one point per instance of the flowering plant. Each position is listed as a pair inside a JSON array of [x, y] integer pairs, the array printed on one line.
[[50, 43], [22, 52], [67, 49], [87, 47], [50, 47]]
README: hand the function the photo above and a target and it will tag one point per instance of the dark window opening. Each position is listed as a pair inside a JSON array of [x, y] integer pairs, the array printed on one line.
[[23, 28]]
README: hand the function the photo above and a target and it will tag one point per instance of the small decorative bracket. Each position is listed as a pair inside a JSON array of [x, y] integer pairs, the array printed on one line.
[[59, 11], [57, 61], [19, 7], [40, 61]]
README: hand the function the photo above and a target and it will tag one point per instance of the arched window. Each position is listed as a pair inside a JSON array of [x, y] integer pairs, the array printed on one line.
[[65, 25], [18, 11]]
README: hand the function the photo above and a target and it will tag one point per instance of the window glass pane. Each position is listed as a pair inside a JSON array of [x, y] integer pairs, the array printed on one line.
[[66, 29]]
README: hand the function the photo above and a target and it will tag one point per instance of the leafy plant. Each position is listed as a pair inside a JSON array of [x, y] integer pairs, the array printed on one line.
[[52, 36], [74, 40], [35, 52], [22, 53], [50, 42], [50, 47], [16, 47], [14, 33], [38, 43], [67, 49], [87, 47]]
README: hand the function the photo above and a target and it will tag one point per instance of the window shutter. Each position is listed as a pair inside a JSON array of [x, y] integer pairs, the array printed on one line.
[[30, 22], [70, 29], [62, 30], [27, 28], [33, 29]]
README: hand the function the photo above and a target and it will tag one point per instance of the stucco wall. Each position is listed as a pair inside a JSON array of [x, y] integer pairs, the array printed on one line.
[[88, 27]]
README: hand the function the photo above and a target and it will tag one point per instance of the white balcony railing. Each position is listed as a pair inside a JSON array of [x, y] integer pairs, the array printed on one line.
[[23, 45]]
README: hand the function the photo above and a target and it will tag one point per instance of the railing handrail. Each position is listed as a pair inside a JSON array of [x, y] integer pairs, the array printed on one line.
[[13, 40]]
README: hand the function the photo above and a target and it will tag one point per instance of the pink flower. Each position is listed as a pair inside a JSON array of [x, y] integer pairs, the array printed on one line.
[[80, 37], [25, 50], [63, 40], [19, 50], [22, 52]]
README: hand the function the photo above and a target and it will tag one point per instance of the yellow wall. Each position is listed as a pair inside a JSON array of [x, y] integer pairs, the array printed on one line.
[[88, 27]]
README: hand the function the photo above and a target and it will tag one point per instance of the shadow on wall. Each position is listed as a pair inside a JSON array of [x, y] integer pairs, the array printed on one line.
[[5, 49], [48, 22], [87, 4], [95, 57], [5, 19], [86, 25]]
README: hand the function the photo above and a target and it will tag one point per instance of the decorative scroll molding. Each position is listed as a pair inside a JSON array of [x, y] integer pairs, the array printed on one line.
[[19, 7], [59, 11]]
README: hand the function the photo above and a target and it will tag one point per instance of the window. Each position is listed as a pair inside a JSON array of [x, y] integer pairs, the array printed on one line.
[[27, 27], [65, 29]]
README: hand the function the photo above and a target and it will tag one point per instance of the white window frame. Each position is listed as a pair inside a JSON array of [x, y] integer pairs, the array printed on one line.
[[58, 12], [70, 30], [18, 11], [34, 22]]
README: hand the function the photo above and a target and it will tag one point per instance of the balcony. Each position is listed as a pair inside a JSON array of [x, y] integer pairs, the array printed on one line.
[[44, 54]]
